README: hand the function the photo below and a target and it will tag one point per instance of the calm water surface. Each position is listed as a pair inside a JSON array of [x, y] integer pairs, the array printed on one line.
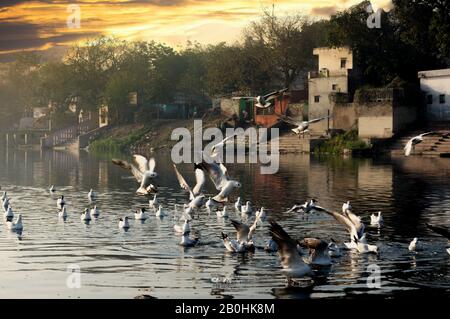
[[148, 260]]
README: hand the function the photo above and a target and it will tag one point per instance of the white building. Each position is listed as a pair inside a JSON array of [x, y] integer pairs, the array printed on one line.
[[335, 66], [435, 84]]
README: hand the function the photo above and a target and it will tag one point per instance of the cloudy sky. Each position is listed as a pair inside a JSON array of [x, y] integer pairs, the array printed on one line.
[[42, 25]]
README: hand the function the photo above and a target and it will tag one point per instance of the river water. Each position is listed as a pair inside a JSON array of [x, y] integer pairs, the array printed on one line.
[[148, 260]]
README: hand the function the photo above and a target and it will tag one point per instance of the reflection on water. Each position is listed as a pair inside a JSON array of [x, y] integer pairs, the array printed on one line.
[[148, 260]]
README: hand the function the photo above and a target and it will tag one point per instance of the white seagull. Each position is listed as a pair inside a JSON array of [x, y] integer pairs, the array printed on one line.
[[196, 197], [123, 223], [52, 189], [219, 176], [302, 126], [376, 220], [95, 212], [346, 206], [410, 145], [183, 229], [9, 213], [141, 214], [86, 215], [222, 213], [63, 212], [355, 228], [153, 203], [261, 214], [319, 254], [160, 212], [262, 101], [238, 204], [413, 244], [60, 202], [221, 144], [290, 258], [144, 172], [247, 208], [186, 241], [232, 245], [91, 195], [17, 225]]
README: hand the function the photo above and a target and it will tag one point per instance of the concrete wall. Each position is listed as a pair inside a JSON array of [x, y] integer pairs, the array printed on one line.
[[375, 126], [229, 106], [330, 58], [435, 85], [322, 87], [345, 116]]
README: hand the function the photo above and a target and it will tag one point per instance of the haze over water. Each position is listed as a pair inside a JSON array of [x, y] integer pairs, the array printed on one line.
[[147, 259]]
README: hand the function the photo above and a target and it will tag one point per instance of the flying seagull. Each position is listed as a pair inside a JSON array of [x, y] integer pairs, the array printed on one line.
[[355, 228], [410, 145], [196, 197], [318, 251], [301, 126], [144, 172], [244, 238], [221, 144], [291, 261], [219, 176], [263, 101]]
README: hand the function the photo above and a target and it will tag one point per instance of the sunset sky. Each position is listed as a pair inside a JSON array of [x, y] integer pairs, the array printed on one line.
[[42, 25]]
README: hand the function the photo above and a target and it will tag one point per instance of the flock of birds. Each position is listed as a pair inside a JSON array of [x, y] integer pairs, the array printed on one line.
[[297, 257]]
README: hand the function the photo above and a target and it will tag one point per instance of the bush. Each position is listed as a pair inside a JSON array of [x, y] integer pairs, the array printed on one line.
[[339, 143]]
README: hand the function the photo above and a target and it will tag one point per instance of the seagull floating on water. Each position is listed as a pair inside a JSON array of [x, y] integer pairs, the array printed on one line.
[[17, 225], [413, 244], [261, 214], [86, 215], [141, 214], [144, 172], [186, 241], [153, 203], [123, 223], [376, 220], [233, 245], [160, 212], [52, 189], [247, 208], [183, 229], [91, 195], [9, 213], [210, 204], [238, 204], [60, 202], [95, 212], [62, 212], [222, 213]]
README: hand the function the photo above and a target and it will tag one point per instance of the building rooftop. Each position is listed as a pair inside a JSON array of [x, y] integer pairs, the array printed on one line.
[[434, 73]]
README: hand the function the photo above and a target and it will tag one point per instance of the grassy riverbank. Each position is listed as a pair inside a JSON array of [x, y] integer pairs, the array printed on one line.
[[146, 137], [348, 142]]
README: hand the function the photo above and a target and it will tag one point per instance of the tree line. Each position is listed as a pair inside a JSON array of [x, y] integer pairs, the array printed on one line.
[[273, 52]]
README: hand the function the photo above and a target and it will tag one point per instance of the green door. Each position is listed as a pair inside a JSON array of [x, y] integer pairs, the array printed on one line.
[[246, 105]]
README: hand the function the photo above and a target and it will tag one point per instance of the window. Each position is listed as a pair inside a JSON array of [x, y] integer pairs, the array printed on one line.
[[317, 99], [442, 98], [334, 87], [343, 63], [429, 99]]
